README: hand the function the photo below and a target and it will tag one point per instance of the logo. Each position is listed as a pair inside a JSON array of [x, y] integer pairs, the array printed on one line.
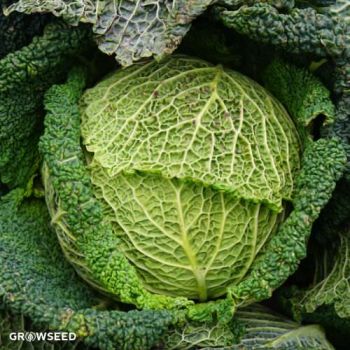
[[29, 337], [42, 336]]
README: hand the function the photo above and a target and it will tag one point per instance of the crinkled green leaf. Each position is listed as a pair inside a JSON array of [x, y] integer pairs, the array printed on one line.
[[194, 121], [334, 287], [253, 328], [266, 330], [300, 30], [37, 282], [304, 96], [324, 295], [129, 29], [24, 77], [199, 335]]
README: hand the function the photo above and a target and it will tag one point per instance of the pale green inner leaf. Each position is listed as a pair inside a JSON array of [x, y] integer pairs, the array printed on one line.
[[183, 238], [187, 119]]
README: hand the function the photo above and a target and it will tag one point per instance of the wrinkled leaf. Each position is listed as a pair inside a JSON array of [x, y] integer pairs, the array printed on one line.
[[129, 29]]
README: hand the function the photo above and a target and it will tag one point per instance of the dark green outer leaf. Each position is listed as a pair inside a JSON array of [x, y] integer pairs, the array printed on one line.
[[34, 282], [24, 77]]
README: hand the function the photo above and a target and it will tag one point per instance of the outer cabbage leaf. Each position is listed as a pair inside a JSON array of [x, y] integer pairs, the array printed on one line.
[[266, 330], [304, 96], [303, 30], [254, 328], [331, 277], [326, 300], [334, 287], [24, 77], [127, 28], [37, 282]]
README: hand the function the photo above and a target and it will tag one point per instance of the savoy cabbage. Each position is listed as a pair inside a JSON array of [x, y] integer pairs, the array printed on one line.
[[118, 225], [181, 190]]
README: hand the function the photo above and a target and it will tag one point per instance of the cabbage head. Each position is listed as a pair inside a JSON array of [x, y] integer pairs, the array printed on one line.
[[171, 182], [191, 163]]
